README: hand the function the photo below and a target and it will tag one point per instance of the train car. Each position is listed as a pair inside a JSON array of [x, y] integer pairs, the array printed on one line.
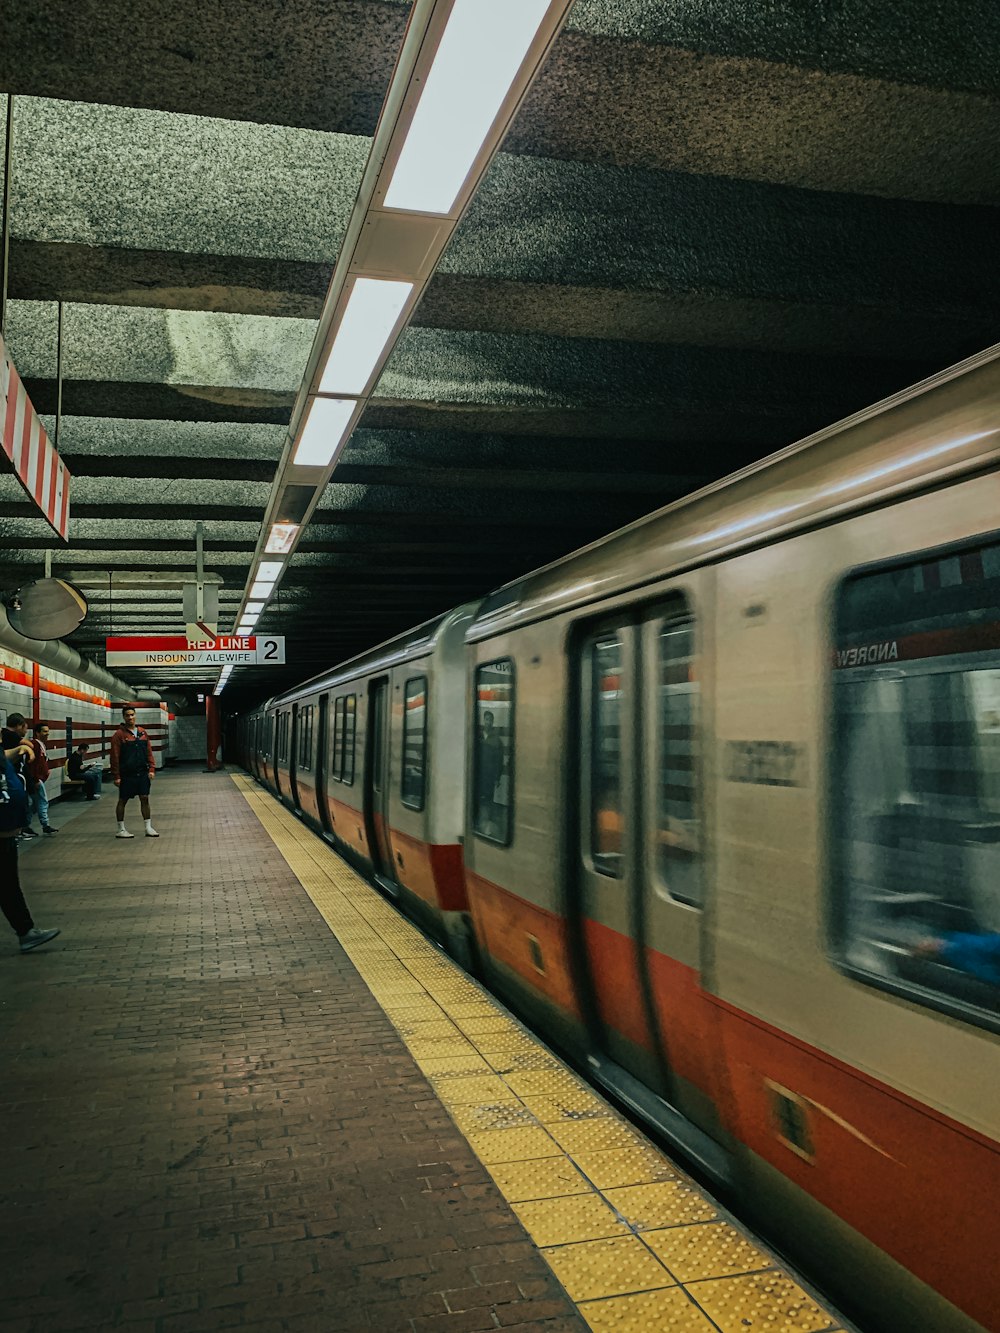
[[735, 840], [732, 832], [371, 756]]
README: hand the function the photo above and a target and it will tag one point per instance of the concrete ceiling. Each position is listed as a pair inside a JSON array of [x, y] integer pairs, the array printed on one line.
[[713, 228]]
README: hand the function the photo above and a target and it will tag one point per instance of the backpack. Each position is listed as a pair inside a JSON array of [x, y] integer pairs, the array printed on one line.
[[13, 799]]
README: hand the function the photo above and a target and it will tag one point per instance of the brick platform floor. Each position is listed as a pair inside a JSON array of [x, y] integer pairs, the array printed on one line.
[[207, 1120]]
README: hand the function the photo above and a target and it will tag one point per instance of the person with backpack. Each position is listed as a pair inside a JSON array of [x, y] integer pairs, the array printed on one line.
[[132, 770], [13, 815]]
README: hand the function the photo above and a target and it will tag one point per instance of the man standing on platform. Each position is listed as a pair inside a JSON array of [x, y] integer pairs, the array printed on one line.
[[132, 770], [38, 775]]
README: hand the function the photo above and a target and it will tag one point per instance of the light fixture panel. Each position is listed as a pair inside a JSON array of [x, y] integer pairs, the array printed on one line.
[[270, 570], [371, 314], [281, 538], [480, 53], [261, 588], [324, 431]]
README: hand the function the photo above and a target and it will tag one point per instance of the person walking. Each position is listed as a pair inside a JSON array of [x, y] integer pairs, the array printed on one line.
[[12, 738], [89, 774], [38, 774], [132, 770], [13, 814]]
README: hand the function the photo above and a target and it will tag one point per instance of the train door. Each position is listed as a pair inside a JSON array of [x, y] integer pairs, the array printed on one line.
[[607, 895], [267, 757], [671, 852], [323, 763], [293, 757], [280, 750], [377, 782]]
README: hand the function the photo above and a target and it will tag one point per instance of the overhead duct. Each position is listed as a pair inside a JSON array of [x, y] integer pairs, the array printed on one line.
[[59, 656]]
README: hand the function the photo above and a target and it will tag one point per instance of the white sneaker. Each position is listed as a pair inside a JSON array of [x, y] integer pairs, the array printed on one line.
[[124, 833], [151, 832]]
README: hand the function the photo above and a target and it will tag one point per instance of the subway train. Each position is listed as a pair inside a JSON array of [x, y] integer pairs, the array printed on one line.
[[714, 803]]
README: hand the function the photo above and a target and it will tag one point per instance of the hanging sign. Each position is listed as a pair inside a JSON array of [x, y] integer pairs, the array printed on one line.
[[36, 464], [174, 650]]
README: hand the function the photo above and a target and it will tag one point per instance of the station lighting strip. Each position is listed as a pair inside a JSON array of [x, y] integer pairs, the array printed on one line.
[[463, 69]]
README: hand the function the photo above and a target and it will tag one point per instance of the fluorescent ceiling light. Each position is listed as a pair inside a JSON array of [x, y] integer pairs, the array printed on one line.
[[372, 311], [281, 538], [482, 49], [252, 609], [261, 588], [270, 570], [324, 431]]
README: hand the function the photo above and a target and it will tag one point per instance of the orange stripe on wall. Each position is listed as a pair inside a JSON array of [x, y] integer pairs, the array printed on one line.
[[69, 692], [15, 677]]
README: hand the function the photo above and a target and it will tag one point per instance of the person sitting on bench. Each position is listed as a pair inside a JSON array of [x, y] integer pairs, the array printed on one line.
[[89, 774]]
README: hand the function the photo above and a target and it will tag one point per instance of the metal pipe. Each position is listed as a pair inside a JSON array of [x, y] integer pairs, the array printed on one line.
[[58, 656]]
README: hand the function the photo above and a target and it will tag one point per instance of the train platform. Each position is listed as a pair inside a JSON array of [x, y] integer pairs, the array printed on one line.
[[241, 1091]]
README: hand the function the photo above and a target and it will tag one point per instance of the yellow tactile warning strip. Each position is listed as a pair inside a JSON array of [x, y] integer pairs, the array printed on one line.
[[635, 1243]]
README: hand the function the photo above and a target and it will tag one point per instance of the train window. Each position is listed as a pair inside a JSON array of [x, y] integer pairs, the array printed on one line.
[[305, 737], [337, 766], [678, 840], [916, 777], [414, 772], [350, 727], [283, 738], [606, 817], [493, 765]]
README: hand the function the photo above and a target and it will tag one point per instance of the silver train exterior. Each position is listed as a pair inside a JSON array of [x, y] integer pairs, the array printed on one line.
[[724, 794]]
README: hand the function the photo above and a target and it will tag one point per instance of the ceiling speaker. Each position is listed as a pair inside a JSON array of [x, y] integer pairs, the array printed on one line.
[[47, 609]]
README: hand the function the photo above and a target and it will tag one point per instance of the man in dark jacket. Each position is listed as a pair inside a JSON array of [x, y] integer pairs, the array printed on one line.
[[132, 770], [13, 812]]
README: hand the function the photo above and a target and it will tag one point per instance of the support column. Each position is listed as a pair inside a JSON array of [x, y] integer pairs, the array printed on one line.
[[213, 733]]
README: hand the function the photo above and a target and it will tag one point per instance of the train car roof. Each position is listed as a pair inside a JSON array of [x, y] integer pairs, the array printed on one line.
[[939, 428], [406, 647]]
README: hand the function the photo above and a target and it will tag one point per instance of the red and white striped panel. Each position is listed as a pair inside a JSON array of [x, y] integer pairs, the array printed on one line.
[[36, 464]]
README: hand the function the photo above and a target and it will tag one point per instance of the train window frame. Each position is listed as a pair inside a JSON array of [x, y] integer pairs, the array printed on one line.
[[304, 761], [508, 838], [421, 682], [838, 936], [337, 738], [350, 711], [610, 865], [679, 614]]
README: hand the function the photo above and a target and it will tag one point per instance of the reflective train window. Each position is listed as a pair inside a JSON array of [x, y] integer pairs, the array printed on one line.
[[337, 762], [342, 760], [350, 717], [678, 833], [305, 737], [413, 776], [493, 769], [606, 819], [916, 777]]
